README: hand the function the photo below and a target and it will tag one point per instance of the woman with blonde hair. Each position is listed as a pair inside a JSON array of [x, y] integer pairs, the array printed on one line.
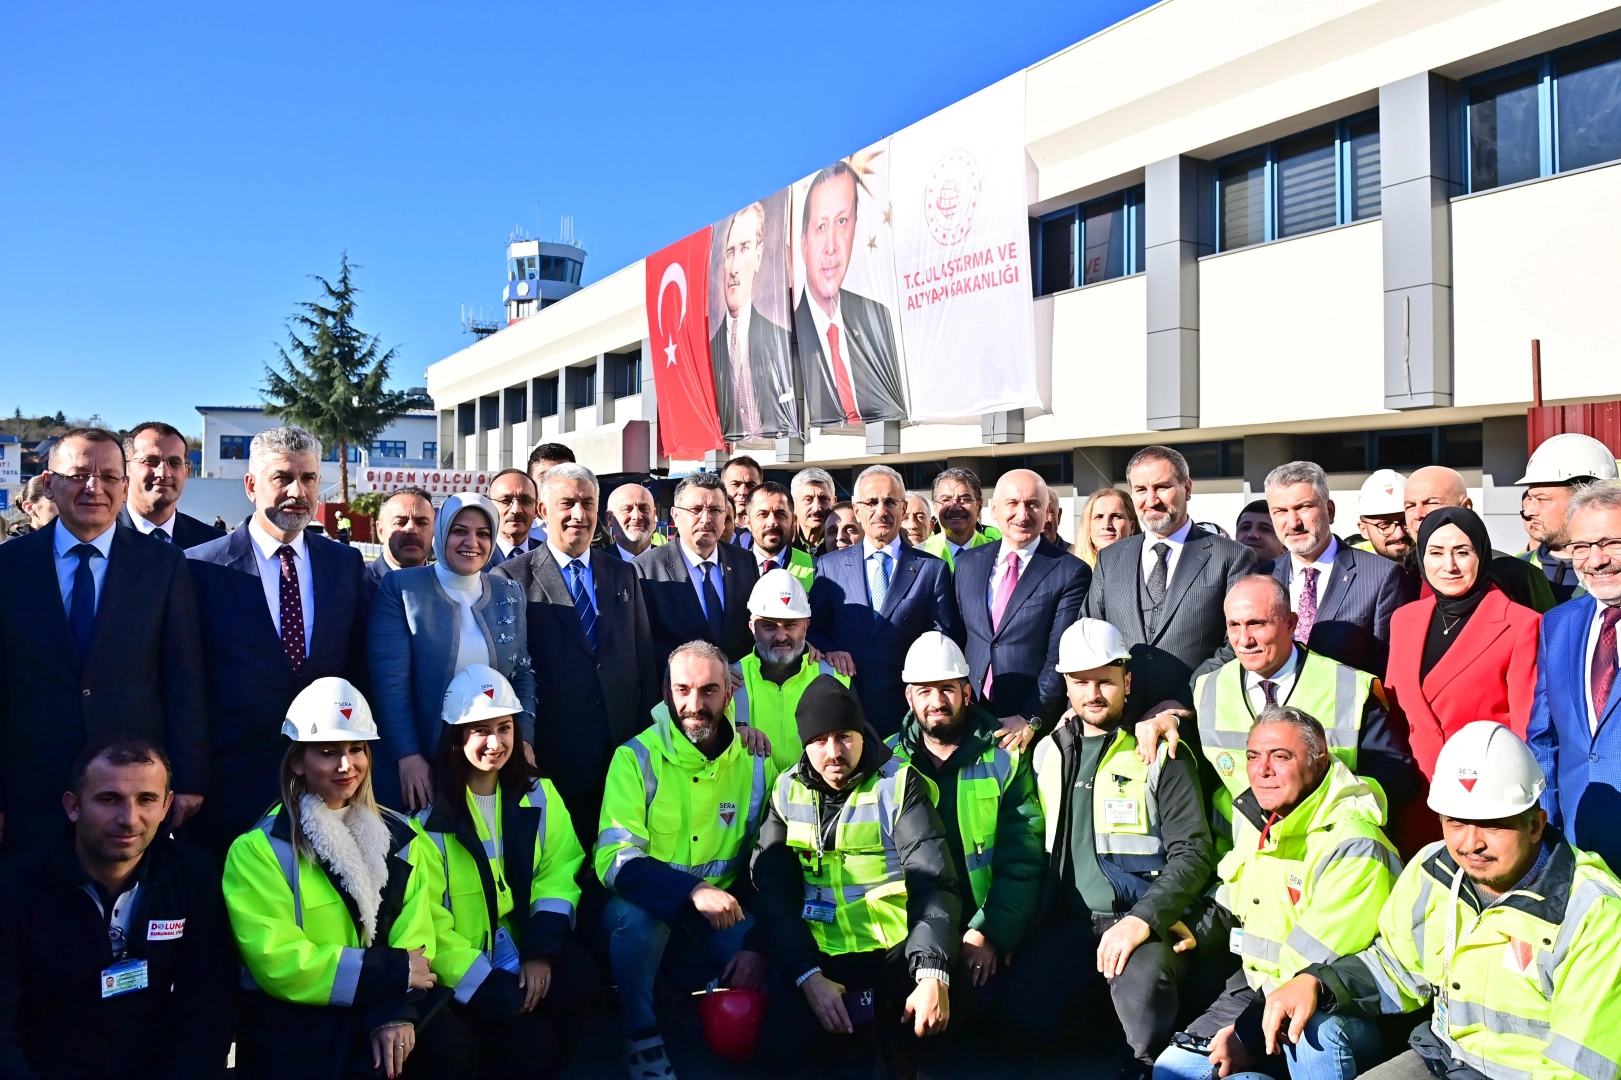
[[1107, 517], [335, 929]]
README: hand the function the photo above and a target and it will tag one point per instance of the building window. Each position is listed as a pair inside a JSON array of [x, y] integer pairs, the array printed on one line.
[[625, 371], [234, 447], [388, 448], [582, 387], [1546, 115], [546, 396], [430, 451], [516, 403], [1315, 180], [332, 454], [1083, 245]]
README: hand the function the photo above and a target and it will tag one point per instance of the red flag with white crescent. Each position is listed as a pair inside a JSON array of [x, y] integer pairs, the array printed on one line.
[[678, 329]]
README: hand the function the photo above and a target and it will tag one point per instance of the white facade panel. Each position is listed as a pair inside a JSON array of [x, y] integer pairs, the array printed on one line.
[[1099, 363]]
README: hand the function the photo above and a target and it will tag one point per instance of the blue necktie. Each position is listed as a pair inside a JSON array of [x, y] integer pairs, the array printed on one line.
[[878, 578], [582, 602], [82, 605], [712, 611]]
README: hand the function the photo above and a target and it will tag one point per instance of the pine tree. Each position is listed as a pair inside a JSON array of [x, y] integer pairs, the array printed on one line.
[[333, 379]]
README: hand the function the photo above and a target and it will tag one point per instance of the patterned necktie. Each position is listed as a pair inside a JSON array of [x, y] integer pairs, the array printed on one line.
[[748, 410], [999, 603], [878, 578], [582, 601], [292, 610], [712, 609], [82, 601], [1270, 689], [1602, 674], [1308, 604], [1161, 573], [841, 377]]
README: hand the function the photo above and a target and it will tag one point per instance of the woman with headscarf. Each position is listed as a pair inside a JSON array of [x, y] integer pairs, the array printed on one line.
[[428, 623]]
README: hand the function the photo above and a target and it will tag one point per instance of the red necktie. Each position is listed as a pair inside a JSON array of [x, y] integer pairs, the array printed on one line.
[[841, 377], [292, 610], [768, 566], [1602, 674]]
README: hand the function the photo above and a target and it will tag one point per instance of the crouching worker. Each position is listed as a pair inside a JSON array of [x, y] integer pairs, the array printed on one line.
[[1307, 875], [115, 958], [858, 899], [335, 928], [679, 817], [505, 855], [1508, 931]]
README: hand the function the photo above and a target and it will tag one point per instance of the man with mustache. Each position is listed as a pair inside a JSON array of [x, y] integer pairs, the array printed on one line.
[[1128, 854], [405, 529], [633, 518], [918, 523], [682, 808], [518, 496], [958, 500], [749, 354], [279, 607], [158, 467], [741, 475], [98, 637], [769, 511], [814, 495], [987, 801], [769, 681]]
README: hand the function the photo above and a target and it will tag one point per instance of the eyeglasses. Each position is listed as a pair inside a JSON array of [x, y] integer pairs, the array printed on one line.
[[1386, 527], [173, 464], [958, 500], [870, 505], [704, 511], [525, 502], [1581, 551], [106, 480]]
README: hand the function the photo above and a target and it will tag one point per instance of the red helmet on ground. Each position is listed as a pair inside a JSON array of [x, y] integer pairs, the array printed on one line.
[[731, 1020]]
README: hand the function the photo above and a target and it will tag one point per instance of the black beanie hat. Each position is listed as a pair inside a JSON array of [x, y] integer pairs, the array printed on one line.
[[828, 705]]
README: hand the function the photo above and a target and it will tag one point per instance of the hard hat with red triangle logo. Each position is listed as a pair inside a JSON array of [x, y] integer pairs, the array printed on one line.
[[1485, 772], [329, 710], [479, 692], [779, 595], [1382, 494]]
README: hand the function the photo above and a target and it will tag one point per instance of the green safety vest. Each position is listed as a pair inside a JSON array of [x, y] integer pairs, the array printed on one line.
[[800, 564], [703, 822], [935, 543], [1125, 803], [466, 938], [763, 705], [861, 875], [1334, 693], [980, 786]]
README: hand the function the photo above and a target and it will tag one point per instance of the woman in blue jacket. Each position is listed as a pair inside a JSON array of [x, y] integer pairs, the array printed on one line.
[[428, 623]]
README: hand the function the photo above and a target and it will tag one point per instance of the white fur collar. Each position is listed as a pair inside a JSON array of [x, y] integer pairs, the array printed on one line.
[[354, 843]]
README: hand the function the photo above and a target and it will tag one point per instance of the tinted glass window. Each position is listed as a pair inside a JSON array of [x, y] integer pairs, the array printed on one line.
[[1344, 451], [1405, 449], [1503, 146], [1104, 237], [1306, 194], [1589, 97], [1057, 254], [1461, 446], [1243, 202], [1362, 152]]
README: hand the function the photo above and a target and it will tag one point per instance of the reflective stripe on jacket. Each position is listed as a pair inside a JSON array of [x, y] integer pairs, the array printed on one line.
[[763, 705], [935, 543], [980, 787], [1125, 811]]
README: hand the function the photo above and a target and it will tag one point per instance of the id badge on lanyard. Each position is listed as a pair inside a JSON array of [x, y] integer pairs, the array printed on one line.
[[1440, 1023]]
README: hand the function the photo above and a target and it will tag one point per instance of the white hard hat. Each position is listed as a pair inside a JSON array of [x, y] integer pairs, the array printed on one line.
[[1088, 644], [1568, 457], [1485, 772], [934, 657], [329, 710], [1382, 494], [478, 692], [779, 595]]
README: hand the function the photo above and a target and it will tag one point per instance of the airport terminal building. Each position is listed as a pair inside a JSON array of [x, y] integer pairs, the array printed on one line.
[[1259, 231]]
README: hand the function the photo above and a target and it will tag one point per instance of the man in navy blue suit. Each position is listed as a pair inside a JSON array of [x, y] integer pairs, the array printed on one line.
[[871, 600], [1017, 597], [518, 496], [1576, 716], [279, 607]]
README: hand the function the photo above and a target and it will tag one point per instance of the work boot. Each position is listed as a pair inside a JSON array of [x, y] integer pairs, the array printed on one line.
[[645, 1058]]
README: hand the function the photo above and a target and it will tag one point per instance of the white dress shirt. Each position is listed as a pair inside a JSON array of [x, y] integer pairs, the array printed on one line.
[[266, 546], [1325, 569], [822, 321], [1285, 680], [563, 559], [1594, 708], [67, 563], [1175, 540], [781, 558], [999, 571], [869, 549], [147, 528], [694, 564]]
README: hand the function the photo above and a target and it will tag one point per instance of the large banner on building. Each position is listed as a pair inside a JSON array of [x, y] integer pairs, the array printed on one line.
[[750, 345], [678, 329], [961, 234]]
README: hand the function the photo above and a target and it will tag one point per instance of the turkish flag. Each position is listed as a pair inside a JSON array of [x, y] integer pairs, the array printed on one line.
[[678, 326]]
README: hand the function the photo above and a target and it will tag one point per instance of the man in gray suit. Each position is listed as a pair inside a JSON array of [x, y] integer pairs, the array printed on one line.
[[754, 382], [1343, 597], [846, 343], [1163, 588]]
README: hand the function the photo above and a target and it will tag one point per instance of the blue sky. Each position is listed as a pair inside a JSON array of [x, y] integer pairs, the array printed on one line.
[[171, 174]]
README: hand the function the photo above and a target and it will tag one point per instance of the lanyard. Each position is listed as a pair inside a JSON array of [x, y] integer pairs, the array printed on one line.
[[1441, 1022]]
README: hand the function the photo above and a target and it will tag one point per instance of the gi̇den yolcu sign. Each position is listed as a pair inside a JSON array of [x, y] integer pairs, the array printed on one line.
[[433, 481]]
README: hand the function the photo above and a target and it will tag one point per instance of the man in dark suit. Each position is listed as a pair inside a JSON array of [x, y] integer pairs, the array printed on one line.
[[280, 607], [1163, 588], [754, 379], [518, 496], [874, 598], [405, 531], [1343, 597], [698, 588], [590, 642], [851, 367], [155, 456], [98, 638], [1017, 598]]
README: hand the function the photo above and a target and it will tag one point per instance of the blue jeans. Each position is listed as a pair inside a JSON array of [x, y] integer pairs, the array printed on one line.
[[636, 943], [1331, 1048]]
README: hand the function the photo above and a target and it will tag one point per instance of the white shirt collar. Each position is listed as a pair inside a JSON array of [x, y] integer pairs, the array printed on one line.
[[66, 541], [507, 549], [1023, 553], [823, 320], [1322, 562], [694, 560], [147, 527], [869, 548], [562, 558], [742, 323], [268, 545], [782, 556], [1176, 539], [1284, 677]]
